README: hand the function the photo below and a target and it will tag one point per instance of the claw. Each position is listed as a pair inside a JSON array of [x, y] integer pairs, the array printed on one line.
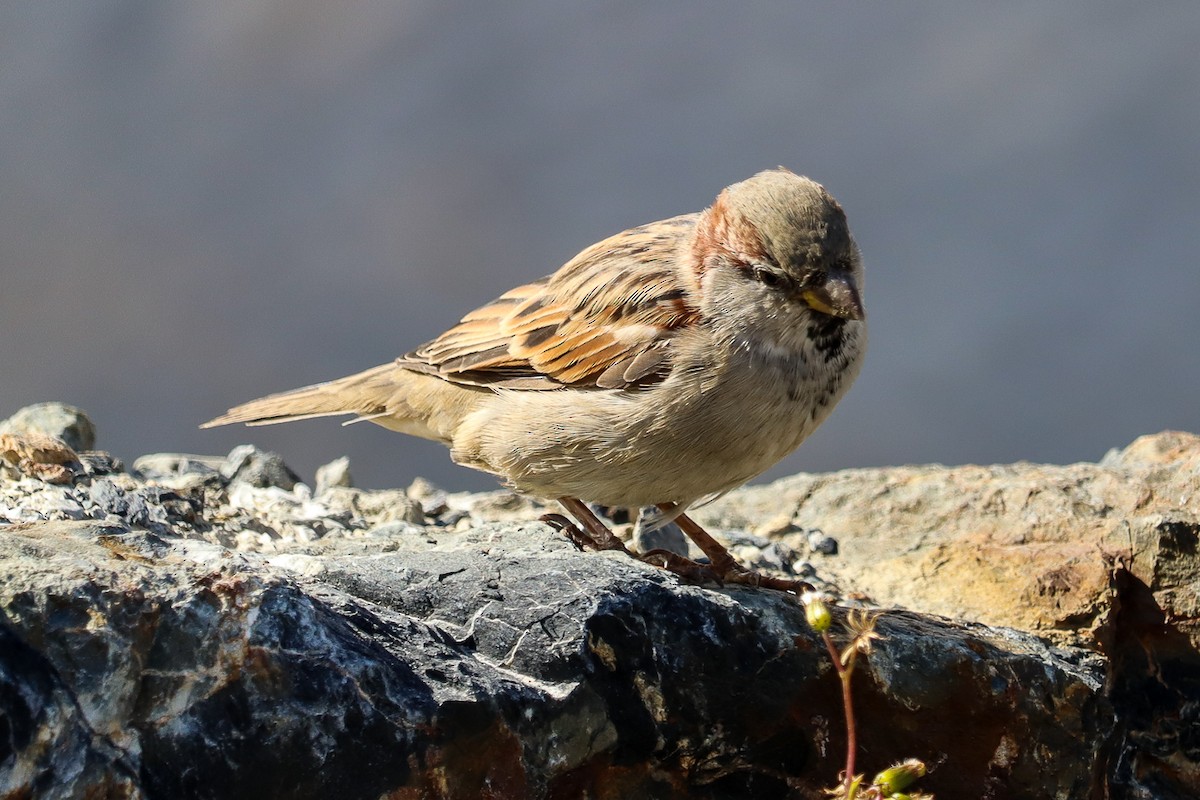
[[684, 567], [570, 530], [593, 535], [722, 568], [748, 577], [724, 565]]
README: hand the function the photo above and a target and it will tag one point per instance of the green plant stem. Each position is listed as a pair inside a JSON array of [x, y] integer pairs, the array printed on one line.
[[845, 672]]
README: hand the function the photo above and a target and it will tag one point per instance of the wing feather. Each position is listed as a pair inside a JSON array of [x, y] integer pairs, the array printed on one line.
[[604, 320]]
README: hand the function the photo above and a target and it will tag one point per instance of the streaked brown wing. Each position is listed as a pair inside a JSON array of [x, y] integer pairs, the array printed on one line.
[[604, 320]]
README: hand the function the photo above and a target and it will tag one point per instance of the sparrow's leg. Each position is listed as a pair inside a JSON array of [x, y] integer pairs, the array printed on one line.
[[722, 564], [722, 567], [719, 559], [597, 536]]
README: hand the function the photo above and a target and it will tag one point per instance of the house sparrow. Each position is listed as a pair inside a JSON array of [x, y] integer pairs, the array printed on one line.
[[661, 366]]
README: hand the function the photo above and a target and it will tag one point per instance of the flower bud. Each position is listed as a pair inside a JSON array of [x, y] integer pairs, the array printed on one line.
[[817, 613], [899, 777]]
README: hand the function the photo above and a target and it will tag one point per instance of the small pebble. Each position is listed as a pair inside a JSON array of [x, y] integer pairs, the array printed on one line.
[[335, 473], [396, 528], [820, 542], [164, 466], [803, 569], [260, 468], [648, 536], [776, 526], [68, 423]]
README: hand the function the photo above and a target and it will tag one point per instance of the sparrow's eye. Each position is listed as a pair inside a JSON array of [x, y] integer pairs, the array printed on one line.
[[772, 280]]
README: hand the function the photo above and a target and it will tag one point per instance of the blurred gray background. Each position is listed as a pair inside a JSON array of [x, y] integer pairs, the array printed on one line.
[[208, 201]]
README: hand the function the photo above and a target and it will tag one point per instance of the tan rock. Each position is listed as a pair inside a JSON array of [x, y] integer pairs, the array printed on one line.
[[1026, 545]]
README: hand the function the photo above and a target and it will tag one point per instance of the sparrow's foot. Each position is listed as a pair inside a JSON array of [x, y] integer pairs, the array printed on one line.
[[685, 568], [697, 572], [723, 565], [749, 577], [722, 569], [691, 571], [594, 535], [570, 530]]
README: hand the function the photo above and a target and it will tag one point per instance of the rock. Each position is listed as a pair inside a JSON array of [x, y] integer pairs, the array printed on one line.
[[154, 508], [775, 526], [499, 506], [69, 424], [170, 467], [40, 456], [248, 464], [380, 506], [434, 501], [1024, 545], [49, 749], [98, 462], [500, 658], [335, 473], [759, 552], [821, 543], [352, 644], [649, 533]]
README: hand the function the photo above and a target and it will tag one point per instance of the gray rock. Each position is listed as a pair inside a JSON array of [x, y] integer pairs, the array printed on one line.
[[821, 543], [98, 462], [434, 501], [170, 466], [762, 553], [49, 747], [649, 533], [259, 468], [335, 473], [379, 506], [71, 425], [108, 498], [155, 508], [279, 644], [499, 658]]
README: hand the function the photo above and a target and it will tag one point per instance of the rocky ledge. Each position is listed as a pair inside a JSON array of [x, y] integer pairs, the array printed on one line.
[[212, 627]]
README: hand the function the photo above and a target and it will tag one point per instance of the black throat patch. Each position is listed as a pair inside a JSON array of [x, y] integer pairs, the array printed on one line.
[[827, 335]]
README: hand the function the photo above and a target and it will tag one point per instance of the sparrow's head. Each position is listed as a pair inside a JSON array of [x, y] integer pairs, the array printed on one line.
[[776, 247]]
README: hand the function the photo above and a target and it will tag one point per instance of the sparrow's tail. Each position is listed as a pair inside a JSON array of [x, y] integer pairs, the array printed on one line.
[[367, 394]]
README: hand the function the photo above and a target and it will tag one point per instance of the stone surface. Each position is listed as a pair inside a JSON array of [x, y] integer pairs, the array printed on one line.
[[435, 664], [335, 473], [1026, 545], [72, 425], [191, 629], [247, 464], [39, 456]]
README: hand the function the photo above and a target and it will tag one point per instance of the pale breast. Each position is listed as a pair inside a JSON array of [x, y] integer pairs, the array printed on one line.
[[697, 433]]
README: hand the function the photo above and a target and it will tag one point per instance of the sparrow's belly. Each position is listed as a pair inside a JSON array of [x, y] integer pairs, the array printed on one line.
[[676, 442]]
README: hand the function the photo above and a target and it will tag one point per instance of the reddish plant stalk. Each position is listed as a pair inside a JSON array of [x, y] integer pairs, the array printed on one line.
[[844, 674]]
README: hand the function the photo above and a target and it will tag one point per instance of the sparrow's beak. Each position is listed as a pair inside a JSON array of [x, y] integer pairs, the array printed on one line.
[[836, 297]]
